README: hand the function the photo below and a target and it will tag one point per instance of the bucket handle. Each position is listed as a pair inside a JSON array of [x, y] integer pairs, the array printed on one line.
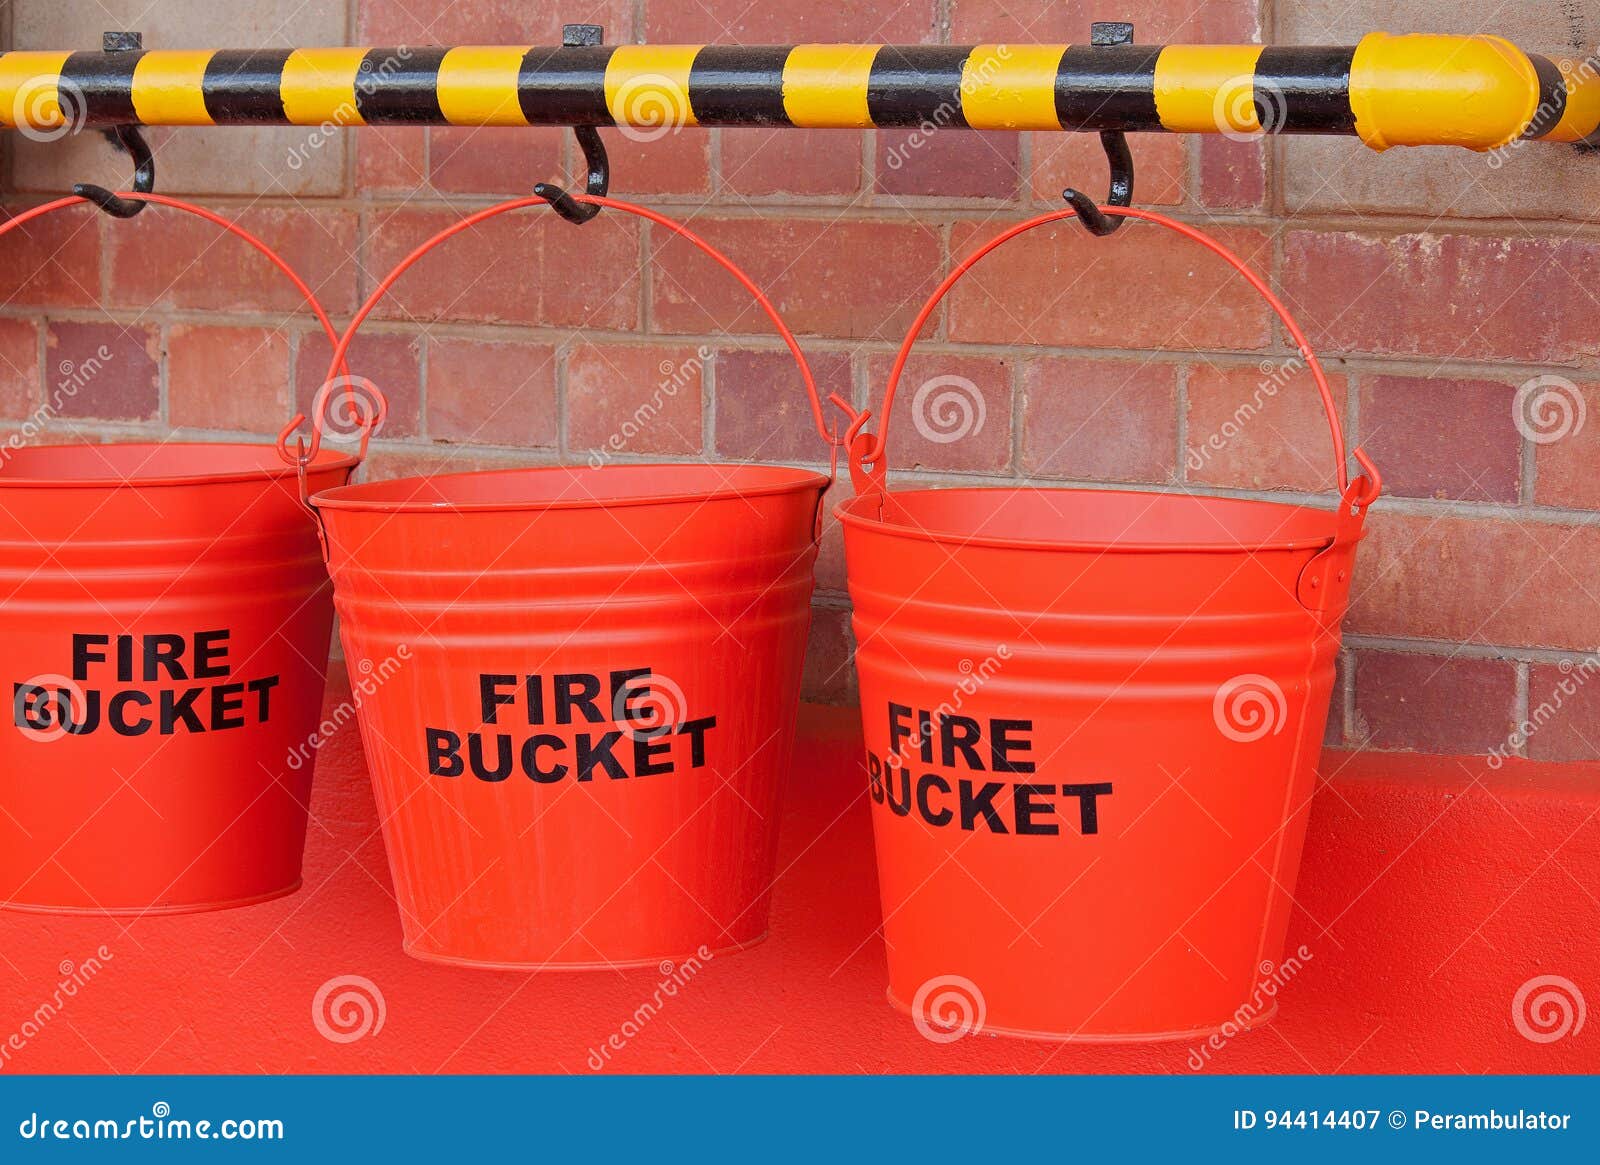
[[273, 257], [834, 440], [868, 463]]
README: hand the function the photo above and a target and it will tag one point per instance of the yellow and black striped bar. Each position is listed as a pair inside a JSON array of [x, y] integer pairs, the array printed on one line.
[[1480, 92]]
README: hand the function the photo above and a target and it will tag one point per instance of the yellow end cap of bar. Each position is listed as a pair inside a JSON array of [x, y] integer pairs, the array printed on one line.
[[167, 88], [478, 85], [1581, 118], [1207, 88], [319, 86], [826, 85], [1423, 90], [1011, 86], [647, 86], [30, 94]]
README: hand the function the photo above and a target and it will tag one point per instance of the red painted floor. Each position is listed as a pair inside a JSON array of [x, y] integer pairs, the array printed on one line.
[[1433, 889]]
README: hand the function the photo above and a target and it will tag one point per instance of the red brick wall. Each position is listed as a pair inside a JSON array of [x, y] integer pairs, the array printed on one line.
[[1436, 282]]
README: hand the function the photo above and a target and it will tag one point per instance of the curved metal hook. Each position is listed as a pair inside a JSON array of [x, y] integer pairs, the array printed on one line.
[[1121, 161], [597, 183], [128, 139]]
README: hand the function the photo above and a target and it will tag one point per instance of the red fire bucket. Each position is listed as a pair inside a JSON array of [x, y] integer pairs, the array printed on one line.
[[1092, 725], [165, 618], [579, 764]]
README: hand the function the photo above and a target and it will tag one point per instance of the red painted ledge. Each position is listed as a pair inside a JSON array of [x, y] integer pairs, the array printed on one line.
[[1433, 889]]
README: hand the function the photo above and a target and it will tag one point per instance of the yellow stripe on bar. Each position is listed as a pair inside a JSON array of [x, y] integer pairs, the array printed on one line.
[[648, 85], [319, 85], [826, 85], [30, 94], [1011, 86], [167, 88], [1207, 88], [1581, 118], [1417, 90], [478, 85]]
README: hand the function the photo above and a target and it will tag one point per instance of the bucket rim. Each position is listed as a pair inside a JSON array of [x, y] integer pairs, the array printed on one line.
[[848, 517], [358, 498], [325, 461]]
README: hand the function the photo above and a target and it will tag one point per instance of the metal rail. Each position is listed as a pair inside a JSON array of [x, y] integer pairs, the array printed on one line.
[[1480, 92]]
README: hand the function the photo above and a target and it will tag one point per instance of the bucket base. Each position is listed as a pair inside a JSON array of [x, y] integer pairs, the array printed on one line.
[[628, 965], [140, 911], [1198, 1033]]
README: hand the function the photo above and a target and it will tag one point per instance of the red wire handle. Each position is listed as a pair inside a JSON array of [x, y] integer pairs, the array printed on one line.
[[232, 228], [672, 225], [873, 454]]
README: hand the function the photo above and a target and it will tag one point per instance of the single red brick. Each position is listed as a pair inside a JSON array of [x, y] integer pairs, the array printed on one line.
[[166, 258], [1452, 296], [1563, 721], [1110, 420], [831, 278], [53, 260], [449, 22], [762, 411], [830, 670], [526, 266], [228, 378], [1233, 174], [1143, 287], [501, 162], [19, 368], [1433, 703], [1060, 160], [762, 161], [392, 363], [1048, 21], [1567, 445], [951, 412], [675, 162], [1477, 580], [492, 393], [949, 162], [111, 372], [1259, 427], [785, 22], [627, 399], [391, 158], [1442, 438]]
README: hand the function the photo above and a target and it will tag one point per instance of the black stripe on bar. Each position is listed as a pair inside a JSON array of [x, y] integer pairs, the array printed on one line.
[[244, 88], [102, 84], [1108, 87], [565, 85], [912, 84], [1552, 97], [738, 86], [400, 86], [1304, 90]]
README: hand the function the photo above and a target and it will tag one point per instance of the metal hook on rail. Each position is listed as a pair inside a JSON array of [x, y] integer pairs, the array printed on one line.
[[598, 180], [1115, 143], [129, 140]]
